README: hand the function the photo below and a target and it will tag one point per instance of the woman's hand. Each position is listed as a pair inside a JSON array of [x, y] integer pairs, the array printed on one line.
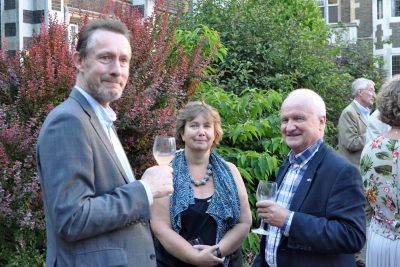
[[207, 256]]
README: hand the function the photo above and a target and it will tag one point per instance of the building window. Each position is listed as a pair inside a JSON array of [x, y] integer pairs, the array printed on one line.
[[9, 4], [140, 9], [33, 16], [395, 65], [72, 33], [379, 9], [27, 42], [56, 5], [395, 8], [10, 29], [11, 53], [329, 10]]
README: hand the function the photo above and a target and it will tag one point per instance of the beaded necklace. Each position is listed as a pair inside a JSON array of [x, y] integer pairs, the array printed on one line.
[[203, 180]]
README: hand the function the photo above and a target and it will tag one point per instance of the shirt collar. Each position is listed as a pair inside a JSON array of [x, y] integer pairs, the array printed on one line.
[[106, 115], [364, 111], [306, 154]]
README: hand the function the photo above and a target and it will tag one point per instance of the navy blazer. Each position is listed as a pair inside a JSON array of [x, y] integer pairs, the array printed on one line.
[[328, 225]]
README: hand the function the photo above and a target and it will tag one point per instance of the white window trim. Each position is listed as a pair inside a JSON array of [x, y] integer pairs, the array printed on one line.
[[326, 7]]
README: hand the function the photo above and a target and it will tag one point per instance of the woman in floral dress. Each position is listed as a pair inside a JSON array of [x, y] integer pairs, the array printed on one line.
[[380, 167]]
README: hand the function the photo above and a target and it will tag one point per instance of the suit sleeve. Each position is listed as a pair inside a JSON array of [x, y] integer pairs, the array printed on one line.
[[78, 200], [349, 132], [340, 226]]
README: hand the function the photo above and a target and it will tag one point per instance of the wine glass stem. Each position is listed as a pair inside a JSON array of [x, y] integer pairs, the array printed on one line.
[[262, 224]]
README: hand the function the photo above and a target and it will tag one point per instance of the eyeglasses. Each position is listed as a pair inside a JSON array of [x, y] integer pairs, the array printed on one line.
[[370, 90]]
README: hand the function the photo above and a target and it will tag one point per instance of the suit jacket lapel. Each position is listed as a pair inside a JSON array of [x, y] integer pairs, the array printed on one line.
[[360, 116], [75, 94], [282, 171], [307, 179]]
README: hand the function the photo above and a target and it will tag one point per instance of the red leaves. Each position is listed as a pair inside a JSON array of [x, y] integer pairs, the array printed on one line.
[[163, 77]]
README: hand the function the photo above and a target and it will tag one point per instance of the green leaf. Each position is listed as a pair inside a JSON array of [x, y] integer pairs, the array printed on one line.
[[385, 170], [384, 155]]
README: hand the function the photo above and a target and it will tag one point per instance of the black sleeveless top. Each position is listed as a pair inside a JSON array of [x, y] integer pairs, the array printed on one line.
[[196, 223]]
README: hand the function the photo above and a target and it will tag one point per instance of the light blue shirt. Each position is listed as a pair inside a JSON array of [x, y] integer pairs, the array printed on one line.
[[364, 111], [106, 117]]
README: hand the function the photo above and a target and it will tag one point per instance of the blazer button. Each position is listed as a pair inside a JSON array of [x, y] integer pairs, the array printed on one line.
[[152, 257]]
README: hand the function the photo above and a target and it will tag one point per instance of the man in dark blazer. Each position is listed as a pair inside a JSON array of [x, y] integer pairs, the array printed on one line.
[[97, 213], [318, 216]]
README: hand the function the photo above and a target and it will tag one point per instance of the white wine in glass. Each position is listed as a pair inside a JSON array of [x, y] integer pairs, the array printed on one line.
[[265, 191], [164, 149]]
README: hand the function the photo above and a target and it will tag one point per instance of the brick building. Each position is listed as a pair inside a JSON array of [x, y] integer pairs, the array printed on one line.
[[386, 33], [376, 22]]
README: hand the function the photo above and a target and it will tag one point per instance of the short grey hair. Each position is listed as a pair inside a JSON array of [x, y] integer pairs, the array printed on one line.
[[315, 99], [359, 85]]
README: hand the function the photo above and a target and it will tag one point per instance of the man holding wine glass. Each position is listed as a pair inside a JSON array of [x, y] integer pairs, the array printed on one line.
[[317, 218], [97, 213]]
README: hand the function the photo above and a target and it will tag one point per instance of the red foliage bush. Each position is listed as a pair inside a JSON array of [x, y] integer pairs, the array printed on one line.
[[163, 78]]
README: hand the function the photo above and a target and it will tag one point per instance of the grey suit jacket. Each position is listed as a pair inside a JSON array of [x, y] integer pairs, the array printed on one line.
[[352, 127], [94, 216]]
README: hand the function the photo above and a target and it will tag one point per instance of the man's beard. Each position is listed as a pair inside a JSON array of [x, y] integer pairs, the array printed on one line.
[[102, 94]]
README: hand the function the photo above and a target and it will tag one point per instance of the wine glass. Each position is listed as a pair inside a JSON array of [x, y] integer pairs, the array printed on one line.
[[265, 191], [164, 149]]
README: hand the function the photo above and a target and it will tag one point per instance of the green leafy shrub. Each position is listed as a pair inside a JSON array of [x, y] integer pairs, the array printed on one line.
[[284, 45]]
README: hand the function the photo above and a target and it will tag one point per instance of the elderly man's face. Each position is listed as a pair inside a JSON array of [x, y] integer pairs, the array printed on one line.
[[367, 96], [300, 125], [105, 71]]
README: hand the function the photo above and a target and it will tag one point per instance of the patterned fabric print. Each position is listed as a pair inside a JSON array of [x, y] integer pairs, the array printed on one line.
[[287, 189], [224, 206], [379, 168]]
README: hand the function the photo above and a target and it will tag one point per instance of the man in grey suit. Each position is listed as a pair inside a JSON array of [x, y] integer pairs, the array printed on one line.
[[97, 213], [353, 120]]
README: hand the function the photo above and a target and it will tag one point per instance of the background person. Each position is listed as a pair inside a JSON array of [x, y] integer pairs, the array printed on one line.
[[209, 202], [97, 214], [352, 123], [318, 218], [380, 168]]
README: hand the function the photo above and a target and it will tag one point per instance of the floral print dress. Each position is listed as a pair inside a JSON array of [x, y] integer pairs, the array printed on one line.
[[379, 167]]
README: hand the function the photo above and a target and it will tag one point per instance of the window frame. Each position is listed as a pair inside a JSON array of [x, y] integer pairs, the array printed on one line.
[[393, 7], [326, 6], [379, 9], [10, 29], [395, 58], [10, 4]]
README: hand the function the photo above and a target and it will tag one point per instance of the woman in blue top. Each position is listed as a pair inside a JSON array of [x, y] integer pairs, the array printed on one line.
[[208, 216]]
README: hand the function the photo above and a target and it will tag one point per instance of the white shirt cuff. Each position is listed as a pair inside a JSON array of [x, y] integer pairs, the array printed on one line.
[[148, 192]]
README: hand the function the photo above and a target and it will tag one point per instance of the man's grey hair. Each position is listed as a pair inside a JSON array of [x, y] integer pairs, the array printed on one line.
[[314, 99], [359, 85]]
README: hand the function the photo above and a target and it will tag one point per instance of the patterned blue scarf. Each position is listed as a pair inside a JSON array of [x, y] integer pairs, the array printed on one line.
[[224, 206]]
